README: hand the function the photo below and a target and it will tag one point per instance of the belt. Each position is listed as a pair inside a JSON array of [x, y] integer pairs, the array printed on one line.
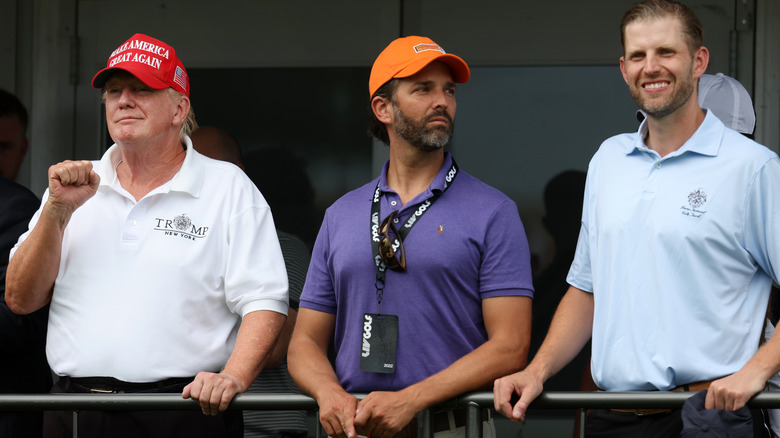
[[689, 387], [110, 385], [440, 421]]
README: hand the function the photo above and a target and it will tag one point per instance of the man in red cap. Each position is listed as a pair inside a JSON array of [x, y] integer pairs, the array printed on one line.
[[430, 302], [152, 258]]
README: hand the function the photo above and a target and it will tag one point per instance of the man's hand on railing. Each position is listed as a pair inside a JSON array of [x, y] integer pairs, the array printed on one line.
[[383, 413], [525, 384], [337, 414], [214, 391], [733, 392]]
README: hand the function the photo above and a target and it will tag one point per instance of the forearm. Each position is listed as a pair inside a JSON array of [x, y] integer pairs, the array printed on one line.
[[310, 368], [279, 353], [766, 362], [35, 264], [474, 371], [256, 338], [570, 330], [508, 324]]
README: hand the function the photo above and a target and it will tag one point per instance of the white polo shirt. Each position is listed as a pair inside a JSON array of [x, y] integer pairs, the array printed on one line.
[[155, 289], [680, 253]]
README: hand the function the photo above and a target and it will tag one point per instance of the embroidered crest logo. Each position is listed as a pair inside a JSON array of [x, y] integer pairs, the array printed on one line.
[[696, 198], [182, 222]]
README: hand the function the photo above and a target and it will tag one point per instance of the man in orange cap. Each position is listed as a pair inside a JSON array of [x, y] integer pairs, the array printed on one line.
[[152, 258], [420, 279]]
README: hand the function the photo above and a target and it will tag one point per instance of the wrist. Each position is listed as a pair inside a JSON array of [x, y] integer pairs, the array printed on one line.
[[56, 214]]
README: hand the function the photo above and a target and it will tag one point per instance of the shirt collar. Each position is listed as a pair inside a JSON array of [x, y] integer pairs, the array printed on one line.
[[436, 185], [705, 141], [189, 178]]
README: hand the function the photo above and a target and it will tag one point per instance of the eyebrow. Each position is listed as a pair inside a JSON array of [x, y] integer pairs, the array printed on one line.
[[448, 84]]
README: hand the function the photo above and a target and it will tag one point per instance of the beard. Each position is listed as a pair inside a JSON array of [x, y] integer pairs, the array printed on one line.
[[683, 91], [418, 134]]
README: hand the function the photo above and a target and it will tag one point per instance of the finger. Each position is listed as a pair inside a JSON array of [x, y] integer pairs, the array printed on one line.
[[94, 179], [83, 170], [224, 402], [709, 400], [347, 424], [520, 408], [204, 397], [502, 395], [518, 411], [186, 392], [329, 429]]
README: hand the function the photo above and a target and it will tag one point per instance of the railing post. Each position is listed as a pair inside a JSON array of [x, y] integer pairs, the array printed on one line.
[[473, 421], [424, 426], [582, 422], [75, 424]]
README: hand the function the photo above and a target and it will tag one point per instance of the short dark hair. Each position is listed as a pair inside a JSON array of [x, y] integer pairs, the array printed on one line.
[[375, 127], [654, 9], [10, 105]]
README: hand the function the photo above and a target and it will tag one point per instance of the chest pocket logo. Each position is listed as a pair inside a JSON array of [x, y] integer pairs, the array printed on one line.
[[696, 199]]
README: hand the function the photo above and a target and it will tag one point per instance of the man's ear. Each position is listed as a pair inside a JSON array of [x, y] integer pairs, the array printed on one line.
[[382, 108], [700, 61], [182, 110]]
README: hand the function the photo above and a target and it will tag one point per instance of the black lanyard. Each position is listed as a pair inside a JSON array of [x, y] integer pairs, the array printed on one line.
[[420, 210]]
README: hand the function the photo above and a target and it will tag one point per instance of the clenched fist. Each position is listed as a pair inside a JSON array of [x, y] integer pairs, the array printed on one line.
[[71, 184]]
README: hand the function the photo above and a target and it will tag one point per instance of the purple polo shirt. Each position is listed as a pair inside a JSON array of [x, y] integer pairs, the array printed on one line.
[[468, 246]]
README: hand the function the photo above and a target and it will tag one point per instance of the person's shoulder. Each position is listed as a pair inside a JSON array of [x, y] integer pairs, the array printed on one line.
[[222, 167], [740, 145], [225, 174], [619, 141], [482, 196], [477, 187]]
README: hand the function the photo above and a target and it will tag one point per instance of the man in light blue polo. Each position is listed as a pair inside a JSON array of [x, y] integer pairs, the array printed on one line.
[[677, 250]]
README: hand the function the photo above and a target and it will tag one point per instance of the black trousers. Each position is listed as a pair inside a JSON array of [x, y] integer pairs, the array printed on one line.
[[151, 424], [604, 423]]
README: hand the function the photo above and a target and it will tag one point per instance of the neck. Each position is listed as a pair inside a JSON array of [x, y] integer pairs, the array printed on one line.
[[142, 170], [412, 171], [668, 134]]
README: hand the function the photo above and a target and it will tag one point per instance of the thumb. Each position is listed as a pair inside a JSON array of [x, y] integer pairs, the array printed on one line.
[[520, 408], [94, 179]]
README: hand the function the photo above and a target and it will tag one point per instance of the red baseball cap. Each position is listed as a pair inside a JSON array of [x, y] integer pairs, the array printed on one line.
[[150, 60], [406, 56]]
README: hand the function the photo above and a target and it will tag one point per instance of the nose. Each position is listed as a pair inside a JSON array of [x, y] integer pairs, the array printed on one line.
[[126, 97], [652, 65], [441, 99]]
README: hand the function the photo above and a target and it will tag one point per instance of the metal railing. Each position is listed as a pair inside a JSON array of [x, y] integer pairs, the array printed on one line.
[[473, 402]]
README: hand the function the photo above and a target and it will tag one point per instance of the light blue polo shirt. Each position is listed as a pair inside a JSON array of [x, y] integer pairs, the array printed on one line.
[[680, 253]]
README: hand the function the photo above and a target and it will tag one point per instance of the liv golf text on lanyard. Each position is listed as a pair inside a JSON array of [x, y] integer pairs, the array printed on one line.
[[380, 332]]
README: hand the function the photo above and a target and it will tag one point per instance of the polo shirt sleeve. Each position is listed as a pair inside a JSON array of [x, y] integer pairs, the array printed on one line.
[[318, 291], [762, 218], [255, 277], [506, 265], [580, 274]]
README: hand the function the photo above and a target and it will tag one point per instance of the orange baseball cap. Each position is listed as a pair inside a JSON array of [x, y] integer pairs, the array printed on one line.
[[150, 60], [406, 56]]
